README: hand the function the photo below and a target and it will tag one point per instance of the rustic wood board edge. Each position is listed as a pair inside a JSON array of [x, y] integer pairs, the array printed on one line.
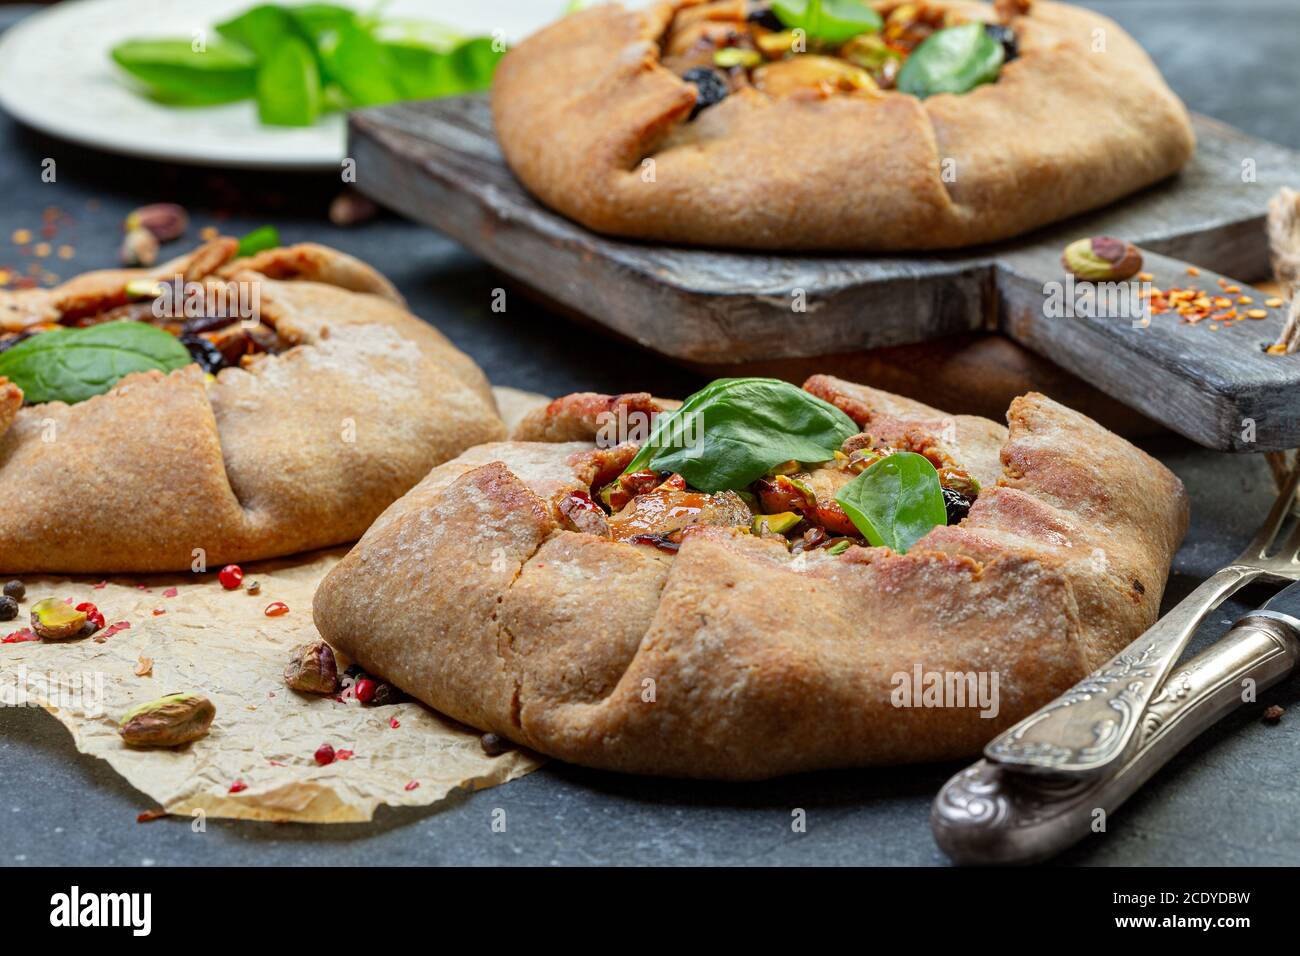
[[440, 163]]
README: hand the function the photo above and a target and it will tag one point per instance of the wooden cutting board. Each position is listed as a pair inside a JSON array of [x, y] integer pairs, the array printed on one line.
[[438, 162]]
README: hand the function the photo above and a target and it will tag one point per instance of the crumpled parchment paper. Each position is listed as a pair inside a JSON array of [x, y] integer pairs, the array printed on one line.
[[258, 761]]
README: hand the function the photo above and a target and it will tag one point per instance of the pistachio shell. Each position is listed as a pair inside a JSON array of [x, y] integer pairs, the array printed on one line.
[[54, 620], [1102, 259]]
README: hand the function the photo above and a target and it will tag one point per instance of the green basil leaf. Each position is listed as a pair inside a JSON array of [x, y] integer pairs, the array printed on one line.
[[176, 73], [735, 430], [288, 85], [423, 71], [830, 21], [896, 501], [953, 60], [363, 67], [72, 365], [259, 29], [259, 240]]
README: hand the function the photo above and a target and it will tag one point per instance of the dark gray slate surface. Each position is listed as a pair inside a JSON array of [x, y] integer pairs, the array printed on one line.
[[1229, 799]]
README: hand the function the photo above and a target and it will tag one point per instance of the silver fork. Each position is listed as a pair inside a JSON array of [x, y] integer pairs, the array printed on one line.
[[1092, 728]]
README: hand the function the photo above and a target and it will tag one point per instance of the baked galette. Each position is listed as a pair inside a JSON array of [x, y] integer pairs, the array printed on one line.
[[762, 579], [834, 124], [217, 409]]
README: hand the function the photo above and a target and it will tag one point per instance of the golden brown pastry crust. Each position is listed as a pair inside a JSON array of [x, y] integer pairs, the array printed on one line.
[[579, 107], [300, 450], [735, 659]]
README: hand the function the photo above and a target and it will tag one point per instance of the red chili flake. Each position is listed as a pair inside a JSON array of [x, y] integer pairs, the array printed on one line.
[[159, 611], [343, 755], [412, 785], [101, 585], [276, 609], [394, 723], [238, 786], [170, 592], [148, 815], [364, 690], [230, 576], [20, 637], [69, 601], [324, 754], [276, 763], [141, 587]]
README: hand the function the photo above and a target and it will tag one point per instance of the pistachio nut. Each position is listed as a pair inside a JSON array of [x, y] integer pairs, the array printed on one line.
[[169, 721], [1102, 259], [139, 248], [312, 669], [165, 221], [54, 620]]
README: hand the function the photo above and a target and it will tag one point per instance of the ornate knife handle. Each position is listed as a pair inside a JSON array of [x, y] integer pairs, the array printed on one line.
[[990, 813], [1094, 724]]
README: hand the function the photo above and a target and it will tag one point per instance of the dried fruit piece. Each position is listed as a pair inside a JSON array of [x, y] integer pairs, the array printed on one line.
[[230, 576], [324, 754], [238, 787], [1102, 259], [93, 616], [143, 666], [15, 589], [253, 587], [386, 695], [276, 609], [494, 744], [164, 221], [8, 608], [312, 669], [169, 721], [55, 621]]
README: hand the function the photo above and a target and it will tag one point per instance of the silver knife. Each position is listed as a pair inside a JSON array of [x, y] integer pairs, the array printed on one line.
[[992, 813]]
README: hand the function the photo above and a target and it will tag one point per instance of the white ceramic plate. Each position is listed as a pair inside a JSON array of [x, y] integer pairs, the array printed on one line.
[[55, 75]]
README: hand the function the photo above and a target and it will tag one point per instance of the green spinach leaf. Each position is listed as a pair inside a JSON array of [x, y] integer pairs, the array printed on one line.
[[288, 85], [896, 501], [176, 73], [735, 430], [71, 365], [829, 21], [953, 60]]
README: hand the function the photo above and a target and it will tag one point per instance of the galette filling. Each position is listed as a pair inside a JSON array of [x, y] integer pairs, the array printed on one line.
[[88, 348], [821, 48], [723, 460]]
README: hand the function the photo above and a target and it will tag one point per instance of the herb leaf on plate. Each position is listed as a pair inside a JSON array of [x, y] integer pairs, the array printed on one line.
[[896, 501], [297, 61], [72, 365], [288, 85], [176, 73], [735, 430]]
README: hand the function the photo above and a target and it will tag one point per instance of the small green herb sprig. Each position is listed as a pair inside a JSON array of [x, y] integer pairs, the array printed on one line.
[[953, 60], [828, 21], [299, 62]]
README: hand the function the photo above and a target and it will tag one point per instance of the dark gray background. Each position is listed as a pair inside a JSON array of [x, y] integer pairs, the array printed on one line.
[[1230, 798]]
